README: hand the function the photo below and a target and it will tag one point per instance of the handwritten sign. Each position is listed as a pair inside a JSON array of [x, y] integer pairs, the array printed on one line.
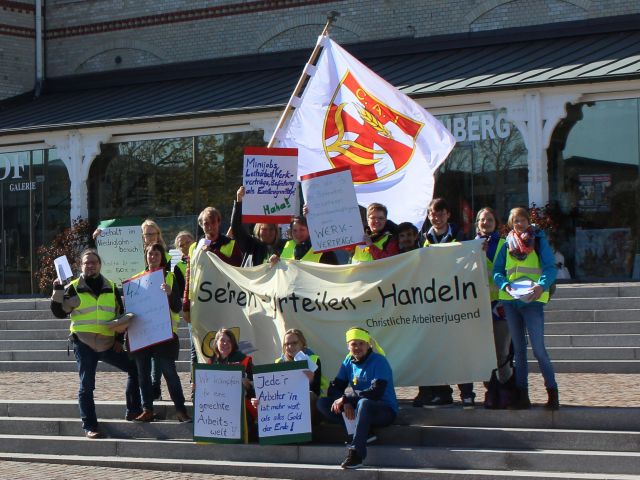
[[144, 297], [121, 251], [284, 414], [333, 218], [269, 179], [218, 405]]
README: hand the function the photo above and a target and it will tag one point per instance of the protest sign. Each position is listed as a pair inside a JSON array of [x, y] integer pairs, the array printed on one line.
[[269, 178], [63, 269], [218, 405], [424, 307], [120, 248], [144, 298], [284, 414], [334, 217]]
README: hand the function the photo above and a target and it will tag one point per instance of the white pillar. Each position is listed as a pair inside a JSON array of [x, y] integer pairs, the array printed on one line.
[[536, 115], [77, 150]]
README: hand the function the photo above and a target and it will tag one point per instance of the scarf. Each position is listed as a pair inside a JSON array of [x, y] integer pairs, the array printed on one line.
[[521, 244]]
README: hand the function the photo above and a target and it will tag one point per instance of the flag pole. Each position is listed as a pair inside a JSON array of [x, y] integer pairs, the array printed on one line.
[[331, 17]]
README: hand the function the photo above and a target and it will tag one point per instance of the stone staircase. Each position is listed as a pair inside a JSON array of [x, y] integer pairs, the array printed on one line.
[[583, 331]]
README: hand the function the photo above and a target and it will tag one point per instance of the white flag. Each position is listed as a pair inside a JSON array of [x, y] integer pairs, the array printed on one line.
[[349, 116]]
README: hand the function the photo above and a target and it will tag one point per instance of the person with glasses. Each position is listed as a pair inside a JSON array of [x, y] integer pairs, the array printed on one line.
[[93, 302], [379, 242]]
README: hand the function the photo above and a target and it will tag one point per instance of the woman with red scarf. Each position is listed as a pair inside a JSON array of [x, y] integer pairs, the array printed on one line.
[[523, 271]]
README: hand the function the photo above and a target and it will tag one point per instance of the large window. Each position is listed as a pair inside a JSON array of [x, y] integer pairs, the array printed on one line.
[[34, 207], [487, 167], [594, 158], [169, 180]]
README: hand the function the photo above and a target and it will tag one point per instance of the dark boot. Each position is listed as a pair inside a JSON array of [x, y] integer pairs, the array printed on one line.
[[522, 401], [554, 401], [424, 395]]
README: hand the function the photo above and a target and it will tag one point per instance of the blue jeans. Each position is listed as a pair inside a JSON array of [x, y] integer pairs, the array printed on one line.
[[369, 413], [530, 316], [87, 360], [167, 366]]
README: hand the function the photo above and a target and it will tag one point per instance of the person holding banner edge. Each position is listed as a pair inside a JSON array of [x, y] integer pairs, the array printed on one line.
[[442, 231], [92, 302], [372, 404], [225, 248], [165, 353]]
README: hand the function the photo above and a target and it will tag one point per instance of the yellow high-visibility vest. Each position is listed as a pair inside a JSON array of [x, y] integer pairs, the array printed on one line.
[[93, 313], [288, 253], [362, 253]]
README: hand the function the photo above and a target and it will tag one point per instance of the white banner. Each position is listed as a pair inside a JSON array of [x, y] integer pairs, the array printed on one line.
[[428, 308]]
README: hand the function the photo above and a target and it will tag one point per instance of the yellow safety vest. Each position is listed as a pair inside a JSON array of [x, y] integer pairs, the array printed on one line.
[[93, 313], [527, 268], [494, 291], [182, 266], [288, 253], [226, 250], [362, 253], [324, 381]]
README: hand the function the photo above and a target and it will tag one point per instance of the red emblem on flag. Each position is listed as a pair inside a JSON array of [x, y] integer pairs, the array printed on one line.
[[363, 133]]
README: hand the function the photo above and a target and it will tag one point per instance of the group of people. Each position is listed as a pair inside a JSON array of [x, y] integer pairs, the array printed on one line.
[[95, 307]]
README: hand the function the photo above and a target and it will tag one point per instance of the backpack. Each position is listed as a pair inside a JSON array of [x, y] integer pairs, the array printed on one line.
[[500, 396]]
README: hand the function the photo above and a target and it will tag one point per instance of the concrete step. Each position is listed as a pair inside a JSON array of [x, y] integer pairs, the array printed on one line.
[[300, 472], [591, 353], [592, 291], [67, 366], [56, 355], [57, 324], [590, 366], [40, 314], [382, 456], [567, 418], [624, 315], [399, 435], [7, 305], [61, 344], [591, 328], [611, 303], [627, 340]]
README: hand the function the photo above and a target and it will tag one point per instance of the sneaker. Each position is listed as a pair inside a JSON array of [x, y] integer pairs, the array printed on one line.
[[468, 403], [93, 434], [353, 460], [437, 402], [146, 416]]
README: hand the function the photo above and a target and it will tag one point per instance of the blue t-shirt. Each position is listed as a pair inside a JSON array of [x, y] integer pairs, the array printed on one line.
[[360, 376]]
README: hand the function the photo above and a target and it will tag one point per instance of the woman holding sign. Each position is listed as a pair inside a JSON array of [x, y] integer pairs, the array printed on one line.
[[294, 347], [259, 247], [526, 258], [165, 353], [299, 247], [226, 351]]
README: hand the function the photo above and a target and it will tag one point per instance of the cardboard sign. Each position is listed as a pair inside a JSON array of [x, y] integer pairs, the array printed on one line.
[[121, 251], [334, 217], [284, 414], [143, 296], [269, 178], [218, 405]]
